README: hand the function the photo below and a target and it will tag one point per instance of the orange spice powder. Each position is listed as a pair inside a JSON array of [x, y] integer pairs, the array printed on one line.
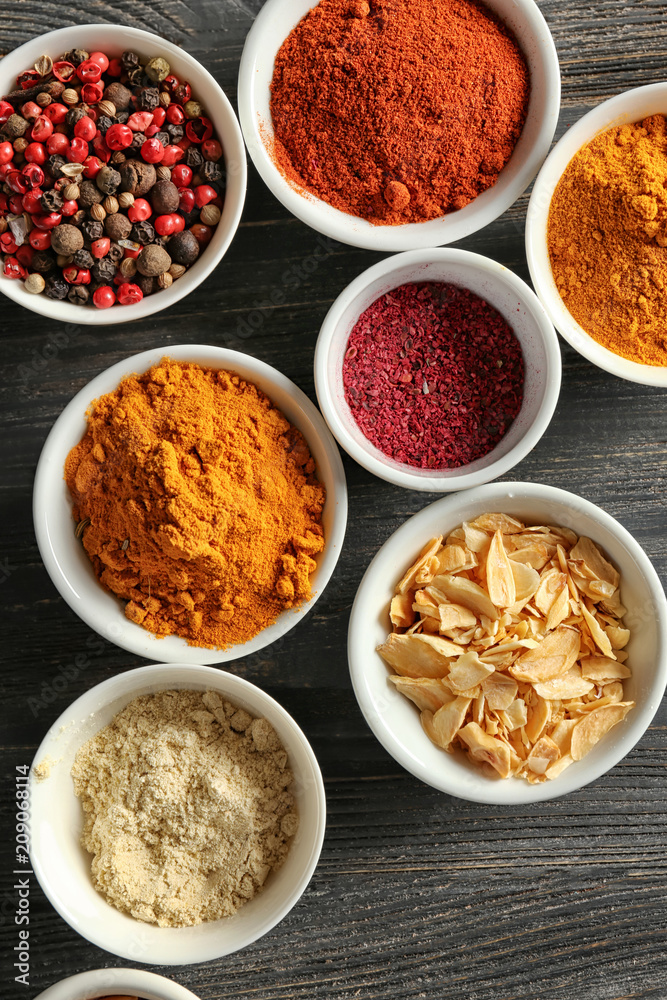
[[203, 506], [607, 239]]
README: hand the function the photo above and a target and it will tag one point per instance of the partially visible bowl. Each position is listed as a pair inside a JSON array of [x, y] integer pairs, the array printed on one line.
[[113, 39], [631, 106], [98, 982], [62, 866], [273, 24], [68, 564], [501, 288], [395, 721]]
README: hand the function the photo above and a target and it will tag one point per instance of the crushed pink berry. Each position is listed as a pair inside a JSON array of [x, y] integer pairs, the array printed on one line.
[[433, 375]]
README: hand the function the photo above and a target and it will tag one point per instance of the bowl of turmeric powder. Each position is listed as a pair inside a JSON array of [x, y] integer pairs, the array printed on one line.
[[398, 124], [596, 235], [191, 506]]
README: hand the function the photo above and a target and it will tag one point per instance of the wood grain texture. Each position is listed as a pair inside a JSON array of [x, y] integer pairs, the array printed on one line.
[[417, 894]]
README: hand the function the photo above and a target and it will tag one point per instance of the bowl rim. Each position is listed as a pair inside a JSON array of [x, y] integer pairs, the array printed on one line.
[[354, 231], [141, 642], [122, 686], [615, 110], [509, 791], [87, 985], [235, 160], [407, 479]]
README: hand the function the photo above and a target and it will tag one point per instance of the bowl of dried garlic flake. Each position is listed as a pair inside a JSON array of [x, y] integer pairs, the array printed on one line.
[[507, 644], [177, 814]]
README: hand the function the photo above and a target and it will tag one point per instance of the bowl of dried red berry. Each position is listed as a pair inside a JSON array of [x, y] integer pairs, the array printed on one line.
[[122, 173], [437, 370]]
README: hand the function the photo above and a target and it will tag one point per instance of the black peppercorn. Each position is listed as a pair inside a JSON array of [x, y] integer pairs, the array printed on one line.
[[129, 60], [108, 180], [160, 241], [83, 258], [104, 122], [122, 117], [79, 217], [76, 56], [148, 99], [115, 253], [56, 287], [193, 158], [104, 270], [176, 132], [42, 262], [89, 194], [78, 295], [211, 172], [54, 165], [163, 137], [75, 115], [138, 139], [135, 76], [142, 232], [92, 230], [52, 200], [146, 284]]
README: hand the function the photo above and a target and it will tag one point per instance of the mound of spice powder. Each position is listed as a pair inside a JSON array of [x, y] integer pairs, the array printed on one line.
[[398, 110], [197, 503], [433, 375]]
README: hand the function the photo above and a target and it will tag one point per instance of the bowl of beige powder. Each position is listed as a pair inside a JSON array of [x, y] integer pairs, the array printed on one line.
[[178, 814]]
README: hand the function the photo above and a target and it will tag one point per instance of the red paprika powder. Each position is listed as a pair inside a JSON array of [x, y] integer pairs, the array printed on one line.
[[433, 375], [398, 110]]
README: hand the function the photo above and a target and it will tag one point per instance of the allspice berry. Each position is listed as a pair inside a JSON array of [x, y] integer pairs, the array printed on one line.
[[184, 248], [119, 96], [153, 261], [137, 177], [15, 126], [66, 239], [117, 226], [89, 194], [35, 284], [164, 197]]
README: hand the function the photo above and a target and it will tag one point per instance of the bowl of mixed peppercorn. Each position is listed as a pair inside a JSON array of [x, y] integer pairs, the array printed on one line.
[[122, 174]]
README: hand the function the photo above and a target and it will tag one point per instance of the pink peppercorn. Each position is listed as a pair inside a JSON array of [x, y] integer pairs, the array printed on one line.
[[211, 150], [85, 129], [181, 175], [57, 143], [172, 154], [152, 151], [433, 375], [175, 115], [41, 129], [70, 207], [139, 211], [6, 110], [115, 67], [56, 112], [30, 111], [31, 201], [101, 60], [39, 239], [139, 121], [129, 294], [104, 297], [89, 71], [118, 137], [159, 115], [78, 150], [164, 225], [7, 242], [100, 248], [92, 166], [187, 199], [34, 175], [6, 152], [35, 152], [204, 194], [13, 269]]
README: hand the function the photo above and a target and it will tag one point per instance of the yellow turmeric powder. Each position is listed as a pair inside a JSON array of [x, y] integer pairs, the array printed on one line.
[[607, 239], [198, 503]]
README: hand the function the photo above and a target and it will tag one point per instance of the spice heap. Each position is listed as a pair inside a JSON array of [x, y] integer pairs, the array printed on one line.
[[187, 807], [111, 178], [433, 375], [510, 641], [398, 111], [197, 502], [607, 238]]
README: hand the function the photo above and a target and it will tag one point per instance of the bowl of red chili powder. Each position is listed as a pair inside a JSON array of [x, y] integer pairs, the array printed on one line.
[[398, 124], [437, 370]]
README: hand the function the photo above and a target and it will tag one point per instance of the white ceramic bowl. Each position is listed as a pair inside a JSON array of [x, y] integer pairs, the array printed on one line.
[[501, 288], [105, 982], [276, 20], [395, 720], [631, 106], [66, 560], [63, 867], [113, 40]]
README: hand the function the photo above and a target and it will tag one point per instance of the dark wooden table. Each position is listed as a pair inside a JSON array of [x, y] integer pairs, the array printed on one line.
[[416, 894]]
